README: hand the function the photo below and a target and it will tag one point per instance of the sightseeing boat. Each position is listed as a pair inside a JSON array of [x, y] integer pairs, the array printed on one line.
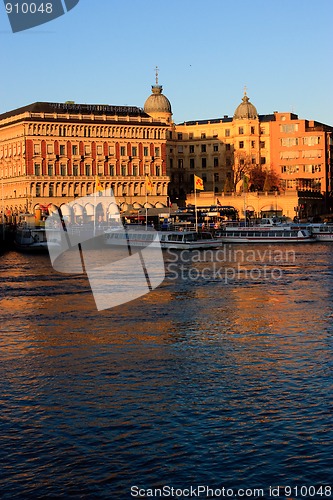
[[322, 232], [181, 240], [260, 234], [33, 239]]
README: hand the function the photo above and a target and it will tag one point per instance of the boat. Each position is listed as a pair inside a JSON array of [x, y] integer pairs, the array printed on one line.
[[181, 240], [261, 234], [322, 232], [33, 239]]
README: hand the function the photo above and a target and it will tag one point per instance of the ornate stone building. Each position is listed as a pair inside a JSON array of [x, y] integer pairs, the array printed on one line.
[[298, 151], [51, 153]]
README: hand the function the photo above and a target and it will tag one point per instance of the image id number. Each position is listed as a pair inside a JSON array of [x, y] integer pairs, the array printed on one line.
[[29, 8]]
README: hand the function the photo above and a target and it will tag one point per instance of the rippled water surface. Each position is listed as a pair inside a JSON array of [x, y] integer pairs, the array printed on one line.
[[222, 376]]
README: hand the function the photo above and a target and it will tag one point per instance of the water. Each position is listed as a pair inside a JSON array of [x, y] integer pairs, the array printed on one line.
[[220, 378]]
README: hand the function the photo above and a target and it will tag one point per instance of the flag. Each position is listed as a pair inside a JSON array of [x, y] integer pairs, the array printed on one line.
[[149, 184], [98, 185], [198, 183]]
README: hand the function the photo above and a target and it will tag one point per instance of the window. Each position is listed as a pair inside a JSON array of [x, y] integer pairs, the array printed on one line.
[[157, 152], [312, 153], [216, 162], [111, 150], [49, 149], [158, 170], [180, 136], [203, 135], [122, 151], [311, 140], [62, 149], [241, 144], [63, 169], [241, 130], [180, 163], [111, 170], [190, 136], [286, 155], [87, 169], [180, 149], [216, 177], [191, 148], [87, 149], [123, 170], [134, 151], [289, 141], [228, 147], [36, 149], [37, 169], [262, 144], [51, 190], [38, 190], [262, 160], [145, 151], [215, 147], [203, 148], [74, 150], [227, 132], [192, 163], [75, 170], [99, 150], [135, 170], [289, 128], [50, 169], [253, 144], [262, 130], [252, 130], [203, 162], [171, 163]]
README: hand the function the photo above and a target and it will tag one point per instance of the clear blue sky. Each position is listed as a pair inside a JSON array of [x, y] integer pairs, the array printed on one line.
[[105, 51]]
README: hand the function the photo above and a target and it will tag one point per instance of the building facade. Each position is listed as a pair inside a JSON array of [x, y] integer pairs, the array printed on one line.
[[219, 150], [51, 153]]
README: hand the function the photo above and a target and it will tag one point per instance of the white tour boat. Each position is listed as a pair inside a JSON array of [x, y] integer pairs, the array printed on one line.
[[322, 232], [33, 239], [260, 234], [142, 237]]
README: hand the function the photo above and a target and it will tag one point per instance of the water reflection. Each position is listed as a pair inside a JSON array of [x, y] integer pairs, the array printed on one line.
[[198, 381]]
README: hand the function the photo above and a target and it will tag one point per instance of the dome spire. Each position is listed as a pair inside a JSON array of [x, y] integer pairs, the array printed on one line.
[[157, 105], [246, 110]]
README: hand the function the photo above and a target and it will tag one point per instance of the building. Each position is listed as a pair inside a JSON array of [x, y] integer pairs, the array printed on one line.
[[219, 150], [51, 153]]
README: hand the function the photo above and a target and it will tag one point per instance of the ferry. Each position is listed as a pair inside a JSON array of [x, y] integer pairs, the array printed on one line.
[[33, 239], [260, 234], [181, 240], [322, 232]]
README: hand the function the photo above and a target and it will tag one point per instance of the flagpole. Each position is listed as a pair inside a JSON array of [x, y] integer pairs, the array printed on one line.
[[195, 207], [146, 180], [244, 200]]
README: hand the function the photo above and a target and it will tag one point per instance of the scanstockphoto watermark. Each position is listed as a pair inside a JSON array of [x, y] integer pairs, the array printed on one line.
[[229, 264]]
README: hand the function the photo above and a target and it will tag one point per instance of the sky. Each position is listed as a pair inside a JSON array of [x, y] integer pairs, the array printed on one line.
[[207, 51]]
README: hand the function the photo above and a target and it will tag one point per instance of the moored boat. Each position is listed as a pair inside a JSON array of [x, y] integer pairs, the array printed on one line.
[[259, 234], [33, 239], [142, 237], [322, 232]]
